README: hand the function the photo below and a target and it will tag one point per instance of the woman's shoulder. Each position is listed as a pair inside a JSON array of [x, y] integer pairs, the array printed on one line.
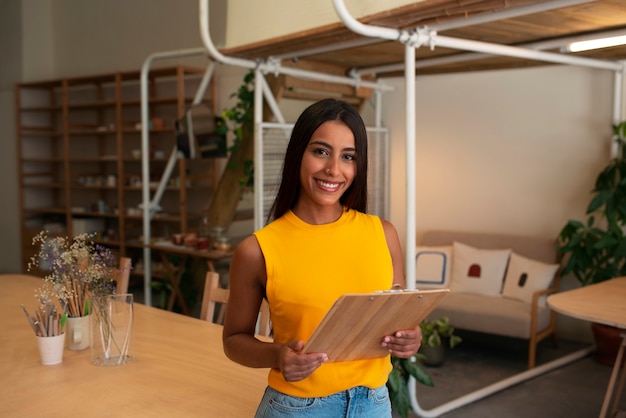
[[248, 249], [387, 226]]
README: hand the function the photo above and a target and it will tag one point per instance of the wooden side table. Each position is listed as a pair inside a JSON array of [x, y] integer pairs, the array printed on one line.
[[604, 303]]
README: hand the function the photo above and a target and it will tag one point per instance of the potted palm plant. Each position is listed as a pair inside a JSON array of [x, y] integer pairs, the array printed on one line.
[[595, 250]]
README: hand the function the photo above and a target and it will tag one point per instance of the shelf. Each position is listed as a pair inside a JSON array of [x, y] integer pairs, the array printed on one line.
[[76, 133], [92, 105], [53, 210], [43, 185], [45, 109], [41, 132], [40, 160]]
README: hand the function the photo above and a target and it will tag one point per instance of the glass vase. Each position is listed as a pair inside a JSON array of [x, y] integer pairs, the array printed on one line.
[[112, 330]]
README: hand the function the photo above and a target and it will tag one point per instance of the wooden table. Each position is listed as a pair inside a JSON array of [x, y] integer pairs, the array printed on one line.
[[175, 272], [604, 303], [179, 370]]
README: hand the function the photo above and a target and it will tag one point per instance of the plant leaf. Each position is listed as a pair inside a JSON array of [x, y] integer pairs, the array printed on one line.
[[417, 371]]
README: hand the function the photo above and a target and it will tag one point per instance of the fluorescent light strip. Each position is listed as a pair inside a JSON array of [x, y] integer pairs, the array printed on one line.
[[597, 43]]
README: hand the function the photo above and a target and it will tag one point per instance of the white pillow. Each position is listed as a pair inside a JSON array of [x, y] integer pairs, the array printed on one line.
[[525, 276], [432, 267], [478, 271]]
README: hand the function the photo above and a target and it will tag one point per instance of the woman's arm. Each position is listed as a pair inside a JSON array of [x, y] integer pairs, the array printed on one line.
[[393, 242], [247, 289]]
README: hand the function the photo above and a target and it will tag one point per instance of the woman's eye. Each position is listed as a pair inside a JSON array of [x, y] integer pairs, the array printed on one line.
[[321, 151], [349, 157]]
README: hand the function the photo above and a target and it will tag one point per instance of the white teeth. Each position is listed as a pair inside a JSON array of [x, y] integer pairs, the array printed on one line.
[[328, 185]]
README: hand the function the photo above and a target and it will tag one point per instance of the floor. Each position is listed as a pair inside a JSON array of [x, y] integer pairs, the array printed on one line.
[[573, 390]]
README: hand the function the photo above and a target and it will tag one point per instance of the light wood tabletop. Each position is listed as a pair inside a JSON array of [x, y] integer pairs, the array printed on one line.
[[179, 369], [603, 302]]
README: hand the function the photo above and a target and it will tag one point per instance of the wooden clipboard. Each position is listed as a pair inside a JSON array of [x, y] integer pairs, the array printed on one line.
[[354, 326]]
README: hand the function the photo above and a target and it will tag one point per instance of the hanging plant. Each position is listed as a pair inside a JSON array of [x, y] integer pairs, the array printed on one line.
[[239, 119]]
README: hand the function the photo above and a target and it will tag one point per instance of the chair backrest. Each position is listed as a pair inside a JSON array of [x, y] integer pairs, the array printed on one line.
[[121, 280], [214, 294]]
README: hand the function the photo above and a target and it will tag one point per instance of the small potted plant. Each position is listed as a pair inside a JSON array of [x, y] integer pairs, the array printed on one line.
[[435, 333], [595, 250]]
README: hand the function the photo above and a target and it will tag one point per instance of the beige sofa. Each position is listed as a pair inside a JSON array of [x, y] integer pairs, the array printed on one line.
[[532, 319]]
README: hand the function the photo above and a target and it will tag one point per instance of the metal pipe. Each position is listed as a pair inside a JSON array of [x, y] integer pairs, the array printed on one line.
[[516, 52], [204, 83], [145, 164], [618, 99], [425, 36], [258, 149], [472, 56], [453, 24], [506, 14], [410, 152], [273, 67], [493, 388]]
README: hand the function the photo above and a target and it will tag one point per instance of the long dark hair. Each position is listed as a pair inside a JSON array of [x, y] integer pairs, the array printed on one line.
[[355, 197]]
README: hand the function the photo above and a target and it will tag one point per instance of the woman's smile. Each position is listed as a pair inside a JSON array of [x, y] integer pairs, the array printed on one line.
[[328, 186]]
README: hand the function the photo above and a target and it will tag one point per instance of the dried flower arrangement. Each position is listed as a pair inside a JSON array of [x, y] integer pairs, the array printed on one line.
[[80, 272]]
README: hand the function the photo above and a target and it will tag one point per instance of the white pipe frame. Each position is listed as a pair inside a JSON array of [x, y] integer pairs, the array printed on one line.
[[149, 208], [413, 40]]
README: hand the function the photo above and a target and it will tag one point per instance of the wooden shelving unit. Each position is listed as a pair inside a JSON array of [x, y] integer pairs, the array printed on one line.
[[78, 140]]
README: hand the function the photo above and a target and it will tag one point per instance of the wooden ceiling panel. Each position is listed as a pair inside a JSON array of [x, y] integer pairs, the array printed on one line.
[[592, 17]]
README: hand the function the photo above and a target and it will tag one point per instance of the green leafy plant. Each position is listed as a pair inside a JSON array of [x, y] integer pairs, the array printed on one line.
[[595, 250], [433, 333], [239, 119], [398, 382], [436, 331]]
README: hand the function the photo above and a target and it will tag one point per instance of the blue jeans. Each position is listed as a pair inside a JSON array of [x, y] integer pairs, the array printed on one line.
[[358, 402]]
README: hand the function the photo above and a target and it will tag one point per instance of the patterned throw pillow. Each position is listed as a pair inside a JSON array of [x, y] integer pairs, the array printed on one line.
[[478, 271], [432, 267], [525, 276]]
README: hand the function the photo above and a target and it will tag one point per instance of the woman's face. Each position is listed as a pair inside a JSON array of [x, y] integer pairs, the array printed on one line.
[[328, 164]]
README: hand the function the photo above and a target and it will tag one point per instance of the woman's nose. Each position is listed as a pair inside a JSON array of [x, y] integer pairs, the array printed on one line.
[[332, 167]]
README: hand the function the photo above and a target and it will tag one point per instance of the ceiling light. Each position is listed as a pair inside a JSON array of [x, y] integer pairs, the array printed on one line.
[[596, 43]]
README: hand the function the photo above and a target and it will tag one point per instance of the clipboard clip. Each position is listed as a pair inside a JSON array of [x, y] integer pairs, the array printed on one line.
[[396, 288]]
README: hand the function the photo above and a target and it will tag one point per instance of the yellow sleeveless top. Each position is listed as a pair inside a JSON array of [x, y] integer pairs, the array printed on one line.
[[308, 268]]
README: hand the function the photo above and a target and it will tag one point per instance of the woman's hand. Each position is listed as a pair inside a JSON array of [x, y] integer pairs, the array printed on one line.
[[296, 366], [404, 343]]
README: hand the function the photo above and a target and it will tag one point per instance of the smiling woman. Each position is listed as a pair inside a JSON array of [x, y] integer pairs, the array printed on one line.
[[318, 245]]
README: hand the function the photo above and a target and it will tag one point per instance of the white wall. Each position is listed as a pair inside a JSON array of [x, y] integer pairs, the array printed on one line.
[[312, 14], [513, 151]]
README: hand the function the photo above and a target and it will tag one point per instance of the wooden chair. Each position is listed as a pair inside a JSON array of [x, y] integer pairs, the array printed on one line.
[[214, 294], [121, 280]]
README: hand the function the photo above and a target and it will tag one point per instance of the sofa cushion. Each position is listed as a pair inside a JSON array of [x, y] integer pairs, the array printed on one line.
[[490, 314], [432, 267], [478, 271], [525, 276]]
